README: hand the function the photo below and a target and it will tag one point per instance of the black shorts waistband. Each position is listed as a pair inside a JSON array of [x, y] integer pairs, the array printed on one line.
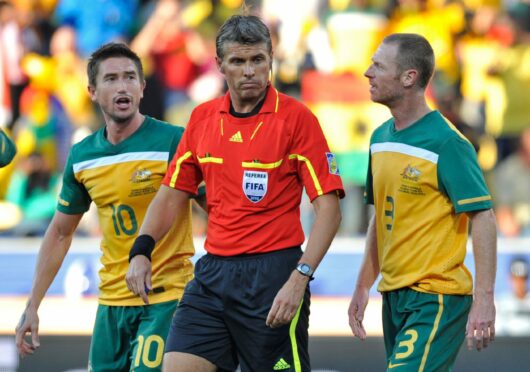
[[245, 256]]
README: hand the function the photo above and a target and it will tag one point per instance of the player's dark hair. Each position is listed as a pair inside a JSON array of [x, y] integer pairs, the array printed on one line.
[[414, 52], [242, 29], [111, 50]]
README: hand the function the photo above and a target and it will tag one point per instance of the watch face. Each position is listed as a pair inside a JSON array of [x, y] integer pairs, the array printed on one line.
[[305, 268]]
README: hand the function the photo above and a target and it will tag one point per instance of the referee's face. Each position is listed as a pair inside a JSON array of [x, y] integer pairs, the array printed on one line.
[[118, 89], [246, 69]]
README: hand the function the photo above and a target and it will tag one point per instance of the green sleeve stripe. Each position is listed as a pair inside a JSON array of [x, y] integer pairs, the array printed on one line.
[[474, 200]]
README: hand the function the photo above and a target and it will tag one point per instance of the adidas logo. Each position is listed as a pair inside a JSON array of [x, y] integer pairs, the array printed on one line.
[[236, 137], [281, 365]]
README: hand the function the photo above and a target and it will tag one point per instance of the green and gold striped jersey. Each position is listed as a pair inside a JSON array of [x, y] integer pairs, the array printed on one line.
[[122, 180], [421, 179]]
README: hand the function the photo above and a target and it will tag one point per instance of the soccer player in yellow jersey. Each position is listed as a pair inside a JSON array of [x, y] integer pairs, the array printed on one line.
[[426, 186], [119, 168]]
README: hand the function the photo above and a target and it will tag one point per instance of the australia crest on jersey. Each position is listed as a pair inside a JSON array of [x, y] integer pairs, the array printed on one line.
[[255, 185]]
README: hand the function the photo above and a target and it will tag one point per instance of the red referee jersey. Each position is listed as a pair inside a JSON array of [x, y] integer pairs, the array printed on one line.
[[255, 169]]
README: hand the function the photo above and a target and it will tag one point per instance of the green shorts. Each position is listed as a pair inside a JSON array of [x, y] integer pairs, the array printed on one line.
[[423, 331], [130, 338]]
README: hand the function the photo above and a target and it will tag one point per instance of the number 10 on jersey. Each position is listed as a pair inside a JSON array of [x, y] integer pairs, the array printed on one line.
[[124, 219]]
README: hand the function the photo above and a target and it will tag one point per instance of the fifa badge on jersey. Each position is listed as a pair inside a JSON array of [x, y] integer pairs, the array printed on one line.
[[255, 185], [332, 163]]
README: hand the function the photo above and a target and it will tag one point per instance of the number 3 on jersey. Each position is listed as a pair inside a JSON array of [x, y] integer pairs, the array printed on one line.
[[389, 212], [407, 344], [120, 215]]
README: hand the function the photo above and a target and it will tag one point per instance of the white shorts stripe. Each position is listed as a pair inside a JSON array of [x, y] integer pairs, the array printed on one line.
[[405, 149], [121, 158]]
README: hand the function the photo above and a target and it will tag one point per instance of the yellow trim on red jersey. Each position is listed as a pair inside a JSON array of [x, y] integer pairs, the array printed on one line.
[[209, 159], [277, 101], [249, 164], [311, 171], [256, 130], [177, 168]]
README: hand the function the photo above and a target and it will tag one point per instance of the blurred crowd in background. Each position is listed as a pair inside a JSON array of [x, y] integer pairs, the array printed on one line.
[[321, 50]]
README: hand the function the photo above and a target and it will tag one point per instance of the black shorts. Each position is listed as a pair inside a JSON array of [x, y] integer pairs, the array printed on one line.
[[222, 314]]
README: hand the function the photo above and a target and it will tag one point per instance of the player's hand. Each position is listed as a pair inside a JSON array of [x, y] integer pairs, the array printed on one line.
[[287, 301], [480, 329], [138, 277], [356, 310], [29, 322]]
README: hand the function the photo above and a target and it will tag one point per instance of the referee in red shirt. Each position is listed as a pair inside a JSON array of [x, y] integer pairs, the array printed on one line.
[[256, 149]]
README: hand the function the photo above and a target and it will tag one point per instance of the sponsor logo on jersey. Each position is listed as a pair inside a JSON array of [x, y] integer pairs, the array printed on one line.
[[141, 175], [332, 163], [236, 137], [255, 185], [281, 365], [390, 365]]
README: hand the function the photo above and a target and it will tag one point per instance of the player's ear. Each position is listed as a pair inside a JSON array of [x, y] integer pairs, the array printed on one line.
[[92, 92], [409, 77], [220, 66], [143, 85]]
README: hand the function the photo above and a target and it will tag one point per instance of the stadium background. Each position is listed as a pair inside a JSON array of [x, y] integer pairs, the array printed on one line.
[[321, 51]]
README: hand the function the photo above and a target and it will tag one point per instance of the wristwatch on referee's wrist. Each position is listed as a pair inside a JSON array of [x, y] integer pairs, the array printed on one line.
[[305, 270]]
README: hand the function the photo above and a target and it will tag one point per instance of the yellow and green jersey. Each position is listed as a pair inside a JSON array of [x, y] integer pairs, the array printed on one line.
[[421, 179], [122, 180]]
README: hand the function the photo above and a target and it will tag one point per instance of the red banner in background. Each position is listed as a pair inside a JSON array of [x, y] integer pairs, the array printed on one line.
[[318, 87]]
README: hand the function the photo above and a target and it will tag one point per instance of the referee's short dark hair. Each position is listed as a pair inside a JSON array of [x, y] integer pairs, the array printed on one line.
[[242, 29], [414, 52], [111, 50]]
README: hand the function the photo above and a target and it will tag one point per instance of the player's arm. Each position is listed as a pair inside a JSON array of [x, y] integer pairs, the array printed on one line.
[[200, 199], [481, 321], [327, 221], [168, 204], [367, 275], [201, 202], [53, 249]]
